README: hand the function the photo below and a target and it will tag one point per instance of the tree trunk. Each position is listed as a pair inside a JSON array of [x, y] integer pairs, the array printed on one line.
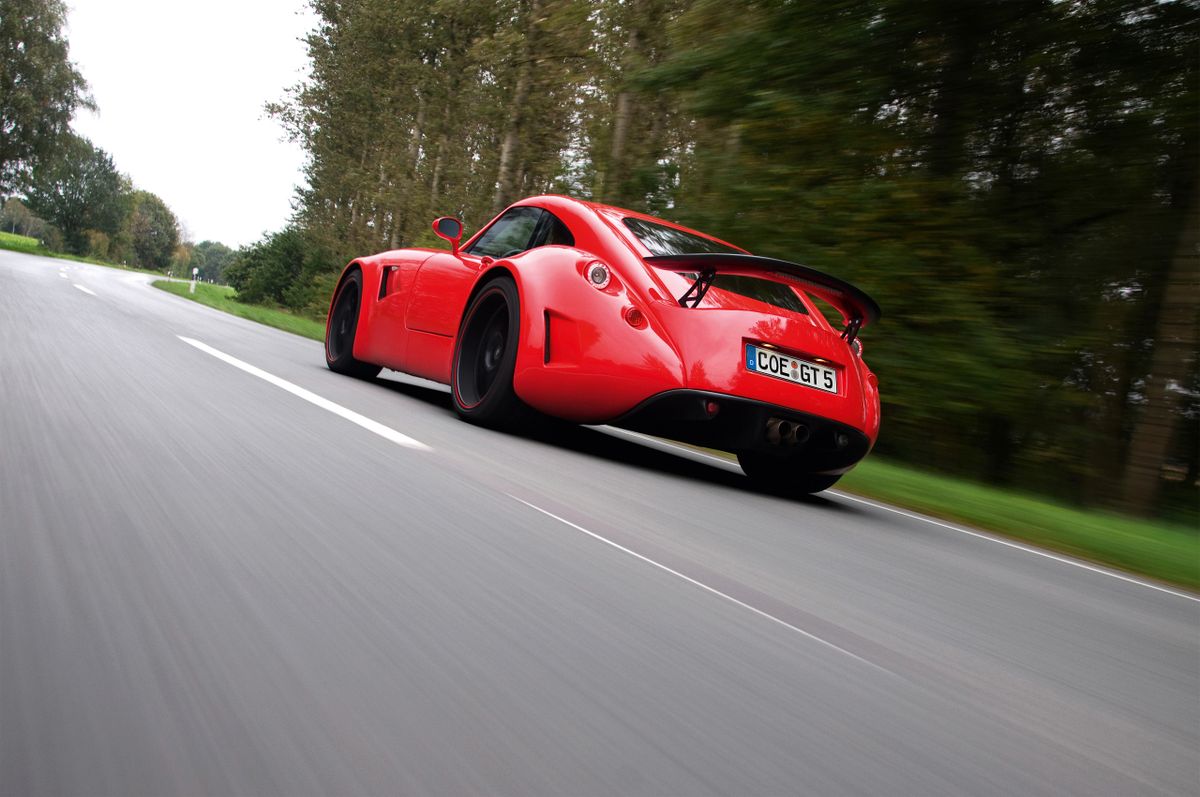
[[414, 162], [947, 140], [616, 156], [512, 135], [1174, 348]]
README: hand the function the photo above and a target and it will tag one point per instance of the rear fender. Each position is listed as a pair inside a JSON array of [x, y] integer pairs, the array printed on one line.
[[580, 358]]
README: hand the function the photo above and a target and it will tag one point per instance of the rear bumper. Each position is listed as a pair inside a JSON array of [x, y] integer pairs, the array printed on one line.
[[815, 443]]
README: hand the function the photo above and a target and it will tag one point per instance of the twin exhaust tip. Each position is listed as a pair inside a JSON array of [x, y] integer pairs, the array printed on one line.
[[785, 433], [782, 432]]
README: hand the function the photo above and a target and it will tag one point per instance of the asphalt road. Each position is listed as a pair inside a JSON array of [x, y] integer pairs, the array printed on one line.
[[220, 580]]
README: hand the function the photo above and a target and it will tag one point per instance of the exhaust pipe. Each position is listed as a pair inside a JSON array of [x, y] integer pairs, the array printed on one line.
[[781, 432]]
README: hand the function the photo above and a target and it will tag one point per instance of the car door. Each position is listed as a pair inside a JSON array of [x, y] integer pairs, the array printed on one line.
[[443, 282]]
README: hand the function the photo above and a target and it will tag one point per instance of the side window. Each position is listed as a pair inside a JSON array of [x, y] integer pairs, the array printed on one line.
[[552, 232], [512, 233]]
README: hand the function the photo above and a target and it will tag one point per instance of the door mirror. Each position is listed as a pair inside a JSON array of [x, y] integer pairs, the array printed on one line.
[[449, 228]]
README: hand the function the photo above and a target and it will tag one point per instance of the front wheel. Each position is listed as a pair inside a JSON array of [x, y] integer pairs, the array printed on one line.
[[778, 475], [341, 328], [485, 356]]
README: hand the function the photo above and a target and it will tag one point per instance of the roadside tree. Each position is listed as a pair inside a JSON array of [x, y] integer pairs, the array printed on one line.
[[79, 189], [153, 231], [39, 87]]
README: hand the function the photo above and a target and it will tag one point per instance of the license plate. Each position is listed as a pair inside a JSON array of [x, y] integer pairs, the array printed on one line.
[[791, 369]]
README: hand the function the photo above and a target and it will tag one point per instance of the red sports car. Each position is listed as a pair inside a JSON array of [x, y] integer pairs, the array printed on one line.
[[595, 314]]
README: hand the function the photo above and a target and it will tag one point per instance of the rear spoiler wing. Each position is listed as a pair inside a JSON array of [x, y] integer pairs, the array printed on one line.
[[857, 308]]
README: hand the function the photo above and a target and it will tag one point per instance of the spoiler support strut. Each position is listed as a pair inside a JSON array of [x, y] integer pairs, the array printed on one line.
[[695, 294], [850, 333]]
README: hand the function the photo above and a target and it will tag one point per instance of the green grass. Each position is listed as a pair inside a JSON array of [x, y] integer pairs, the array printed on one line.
[[1163, 551], [21, 243], [222, 297]]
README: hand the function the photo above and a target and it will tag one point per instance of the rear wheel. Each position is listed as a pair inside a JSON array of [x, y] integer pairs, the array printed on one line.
[[485, 356], [779, 475], [339, 333]]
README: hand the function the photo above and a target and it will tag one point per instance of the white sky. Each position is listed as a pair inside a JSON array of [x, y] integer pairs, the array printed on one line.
[[180, 88]]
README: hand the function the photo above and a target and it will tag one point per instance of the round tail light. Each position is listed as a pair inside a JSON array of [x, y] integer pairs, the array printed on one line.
[[597, 274]]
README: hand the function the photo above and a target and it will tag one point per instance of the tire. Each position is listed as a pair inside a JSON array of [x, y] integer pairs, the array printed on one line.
[[342, 326], [485, 354], [778, 475]]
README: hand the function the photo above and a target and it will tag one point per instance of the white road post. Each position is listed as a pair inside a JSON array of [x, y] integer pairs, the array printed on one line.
[[195, 273]]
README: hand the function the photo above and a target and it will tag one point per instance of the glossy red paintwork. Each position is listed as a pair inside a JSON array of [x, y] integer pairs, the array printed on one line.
[[599, 366]]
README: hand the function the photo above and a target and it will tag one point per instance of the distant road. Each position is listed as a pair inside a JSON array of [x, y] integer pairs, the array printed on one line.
[[226, 570]]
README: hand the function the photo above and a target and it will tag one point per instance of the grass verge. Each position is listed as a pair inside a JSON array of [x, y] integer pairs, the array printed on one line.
[[1162, 551], [222, 297], [21, 243]]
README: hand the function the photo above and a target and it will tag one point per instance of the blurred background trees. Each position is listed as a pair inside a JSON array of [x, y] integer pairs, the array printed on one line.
[[1014, 180]]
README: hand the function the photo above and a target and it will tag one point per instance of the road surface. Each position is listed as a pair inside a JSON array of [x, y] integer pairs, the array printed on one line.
[[226, 570]]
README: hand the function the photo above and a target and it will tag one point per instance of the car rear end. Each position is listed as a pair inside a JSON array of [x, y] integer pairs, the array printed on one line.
[[764, 370]]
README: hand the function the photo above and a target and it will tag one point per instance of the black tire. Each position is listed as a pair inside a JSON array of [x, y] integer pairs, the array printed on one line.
[[779, 475], [481, 375], [339, 332]]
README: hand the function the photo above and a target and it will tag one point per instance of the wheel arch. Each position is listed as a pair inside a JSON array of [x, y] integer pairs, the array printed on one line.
[[369, 272]]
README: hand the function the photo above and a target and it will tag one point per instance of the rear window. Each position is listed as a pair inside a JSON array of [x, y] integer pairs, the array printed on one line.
[[773, 293], [663, 240]]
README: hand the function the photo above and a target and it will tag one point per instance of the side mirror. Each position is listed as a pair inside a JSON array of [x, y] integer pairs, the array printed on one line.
[[450, 229]]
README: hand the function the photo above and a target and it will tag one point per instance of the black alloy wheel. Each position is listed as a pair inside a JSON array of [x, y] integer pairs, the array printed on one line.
[[485, 355], [339, 332]]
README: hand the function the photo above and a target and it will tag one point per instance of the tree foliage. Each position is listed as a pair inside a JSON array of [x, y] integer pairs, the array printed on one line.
[[79, 189], [18, 219], [283, 268], [1011, 178], [152, 230], [212, 258], [39, 87]]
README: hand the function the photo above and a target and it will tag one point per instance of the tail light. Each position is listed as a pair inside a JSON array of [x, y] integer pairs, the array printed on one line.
[[597, 274]]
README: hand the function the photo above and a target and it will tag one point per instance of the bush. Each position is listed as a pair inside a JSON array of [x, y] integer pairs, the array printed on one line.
[[285, 269], [97, 244], [52, 238]]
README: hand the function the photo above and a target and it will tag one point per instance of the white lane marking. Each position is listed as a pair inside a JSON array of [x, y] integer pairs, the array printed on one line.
[[703, 586], [977, 534], [386, 432], [63, 274], [88, 291], [1026, 548]]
